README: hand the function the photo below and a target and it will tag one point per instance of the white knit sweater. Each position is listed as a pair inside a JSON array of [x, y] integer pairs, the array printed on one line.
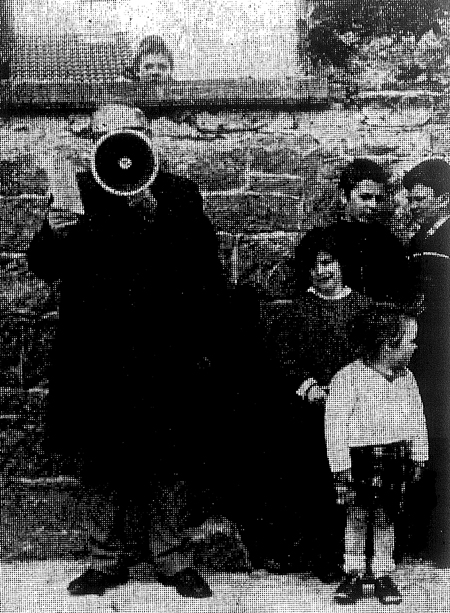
[[365, 408]]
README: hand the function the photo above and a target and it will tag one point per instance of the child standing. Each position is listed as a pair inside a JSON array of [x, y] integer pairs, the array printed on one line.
[[309, 343], [377, 442]]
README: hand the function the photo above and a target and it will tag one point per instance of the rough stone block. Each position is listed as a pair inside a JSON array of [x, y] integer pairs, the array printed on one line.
[[264, 261], [225, 212], [216, 165], [287, 185], [20, 218], [21, 291], [403, 116], [25, 351], [439, 140], [395, 143], [21, 176], [254, 213], [283, 153], [38, 137], [232, 122]]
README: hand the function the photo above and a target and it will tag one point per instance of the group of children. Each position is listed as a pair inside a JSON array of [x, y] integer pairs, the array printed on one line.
[[346, 356]]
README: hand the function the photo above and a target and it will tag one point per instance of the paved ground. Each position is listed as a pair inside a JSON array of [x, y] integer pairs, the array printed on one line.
[[42, 531], [40, 586]]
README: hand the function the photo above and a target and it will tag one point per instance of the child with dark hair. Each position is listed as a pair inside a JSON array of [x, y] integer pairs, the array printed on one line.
[[434, 174], [363, 170], [379, 266], [377, 442], [321, 315], [310, 342], [153, 62]]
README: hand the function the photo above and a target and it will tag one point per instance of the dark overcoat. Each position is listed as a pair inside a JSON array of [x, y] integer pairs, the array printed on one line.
[[137, 341], [376, 261], [430, 253]]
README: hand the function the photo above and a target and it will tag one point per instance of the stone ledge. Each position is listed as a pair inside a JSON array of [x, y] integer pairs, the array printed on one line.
[[256, 212], [302, 92]]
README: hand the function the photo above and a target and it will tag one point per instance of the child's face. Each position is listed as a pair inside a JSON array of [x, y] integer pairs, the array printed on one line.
[[154, 68], [326, 274], [401, 353], [366, 201], [425, 205]]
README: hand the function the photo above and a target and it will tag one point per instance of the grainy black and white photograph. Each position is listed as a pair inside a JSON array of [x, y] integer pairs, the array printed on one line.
[[224, 306]]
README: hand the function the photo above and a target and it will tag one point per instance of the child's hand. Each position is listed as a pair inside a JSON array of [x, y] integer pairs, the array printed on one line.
[[419, 468], [316, 393], [345, 493]]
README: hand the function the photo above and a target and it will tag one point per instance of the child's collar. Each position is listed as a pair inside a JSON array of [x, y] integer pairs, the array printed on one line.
[[345, 291], [389, 376]]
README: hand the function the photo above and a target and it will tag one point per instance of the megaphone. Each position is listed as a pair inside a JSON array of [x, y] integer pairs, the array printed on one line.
[[124, 162]]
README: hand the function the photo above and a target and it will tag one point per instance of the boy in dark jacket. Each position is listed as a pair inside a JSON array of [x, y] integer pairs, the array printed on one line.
[[428, 186], [379, 265]]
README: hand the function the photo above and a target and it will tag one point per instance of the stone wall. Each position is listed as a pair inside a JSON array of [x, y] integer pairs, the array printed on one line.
[[266, 176]]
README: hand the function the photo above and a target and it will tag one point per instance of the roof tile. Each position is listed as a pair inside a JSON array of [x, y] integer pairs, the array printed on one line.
[[70, 58]]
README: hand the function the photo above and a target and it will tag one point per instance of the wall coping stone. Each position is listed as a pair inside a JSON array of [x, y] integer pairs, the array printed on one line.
[[302, 93]]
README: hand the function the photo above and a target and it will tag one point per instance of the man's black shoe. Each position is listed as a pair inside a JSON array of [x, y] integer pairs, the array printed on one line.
[[96, 582], [188, 583]]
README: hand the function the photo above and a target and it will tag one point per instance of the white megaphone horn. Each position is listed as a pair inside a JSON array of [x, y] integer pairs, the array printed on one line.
[[124, 162]]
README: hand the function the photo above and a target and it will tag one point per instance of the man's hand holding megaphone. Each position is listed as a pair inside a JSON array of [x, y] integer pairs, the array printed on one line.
[[66, 206], [124, 163]]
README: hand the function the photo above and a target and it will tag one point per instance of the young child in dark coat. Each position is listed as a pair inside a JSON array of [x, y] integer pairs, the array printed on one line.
[[309, 339], [377, 443]]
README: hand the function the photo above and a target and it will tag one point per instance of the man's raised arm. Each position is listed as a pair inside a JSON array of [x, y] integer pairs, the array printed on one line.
[[46, 254]]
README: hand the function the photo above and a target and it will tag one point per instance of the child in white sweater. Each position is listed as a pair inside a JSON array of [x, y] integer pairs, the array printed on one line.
[[377, 442]]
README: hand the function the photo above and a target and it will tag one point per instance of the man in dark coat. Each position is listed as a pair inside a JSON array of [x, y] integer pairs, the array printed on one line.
[[428, 186], [137, 348], [377, 262]]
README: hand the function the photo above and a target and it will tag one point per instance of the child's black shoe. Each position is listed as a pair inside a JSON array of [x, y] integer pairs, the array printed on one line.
[[386, 591], [350, 590]]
